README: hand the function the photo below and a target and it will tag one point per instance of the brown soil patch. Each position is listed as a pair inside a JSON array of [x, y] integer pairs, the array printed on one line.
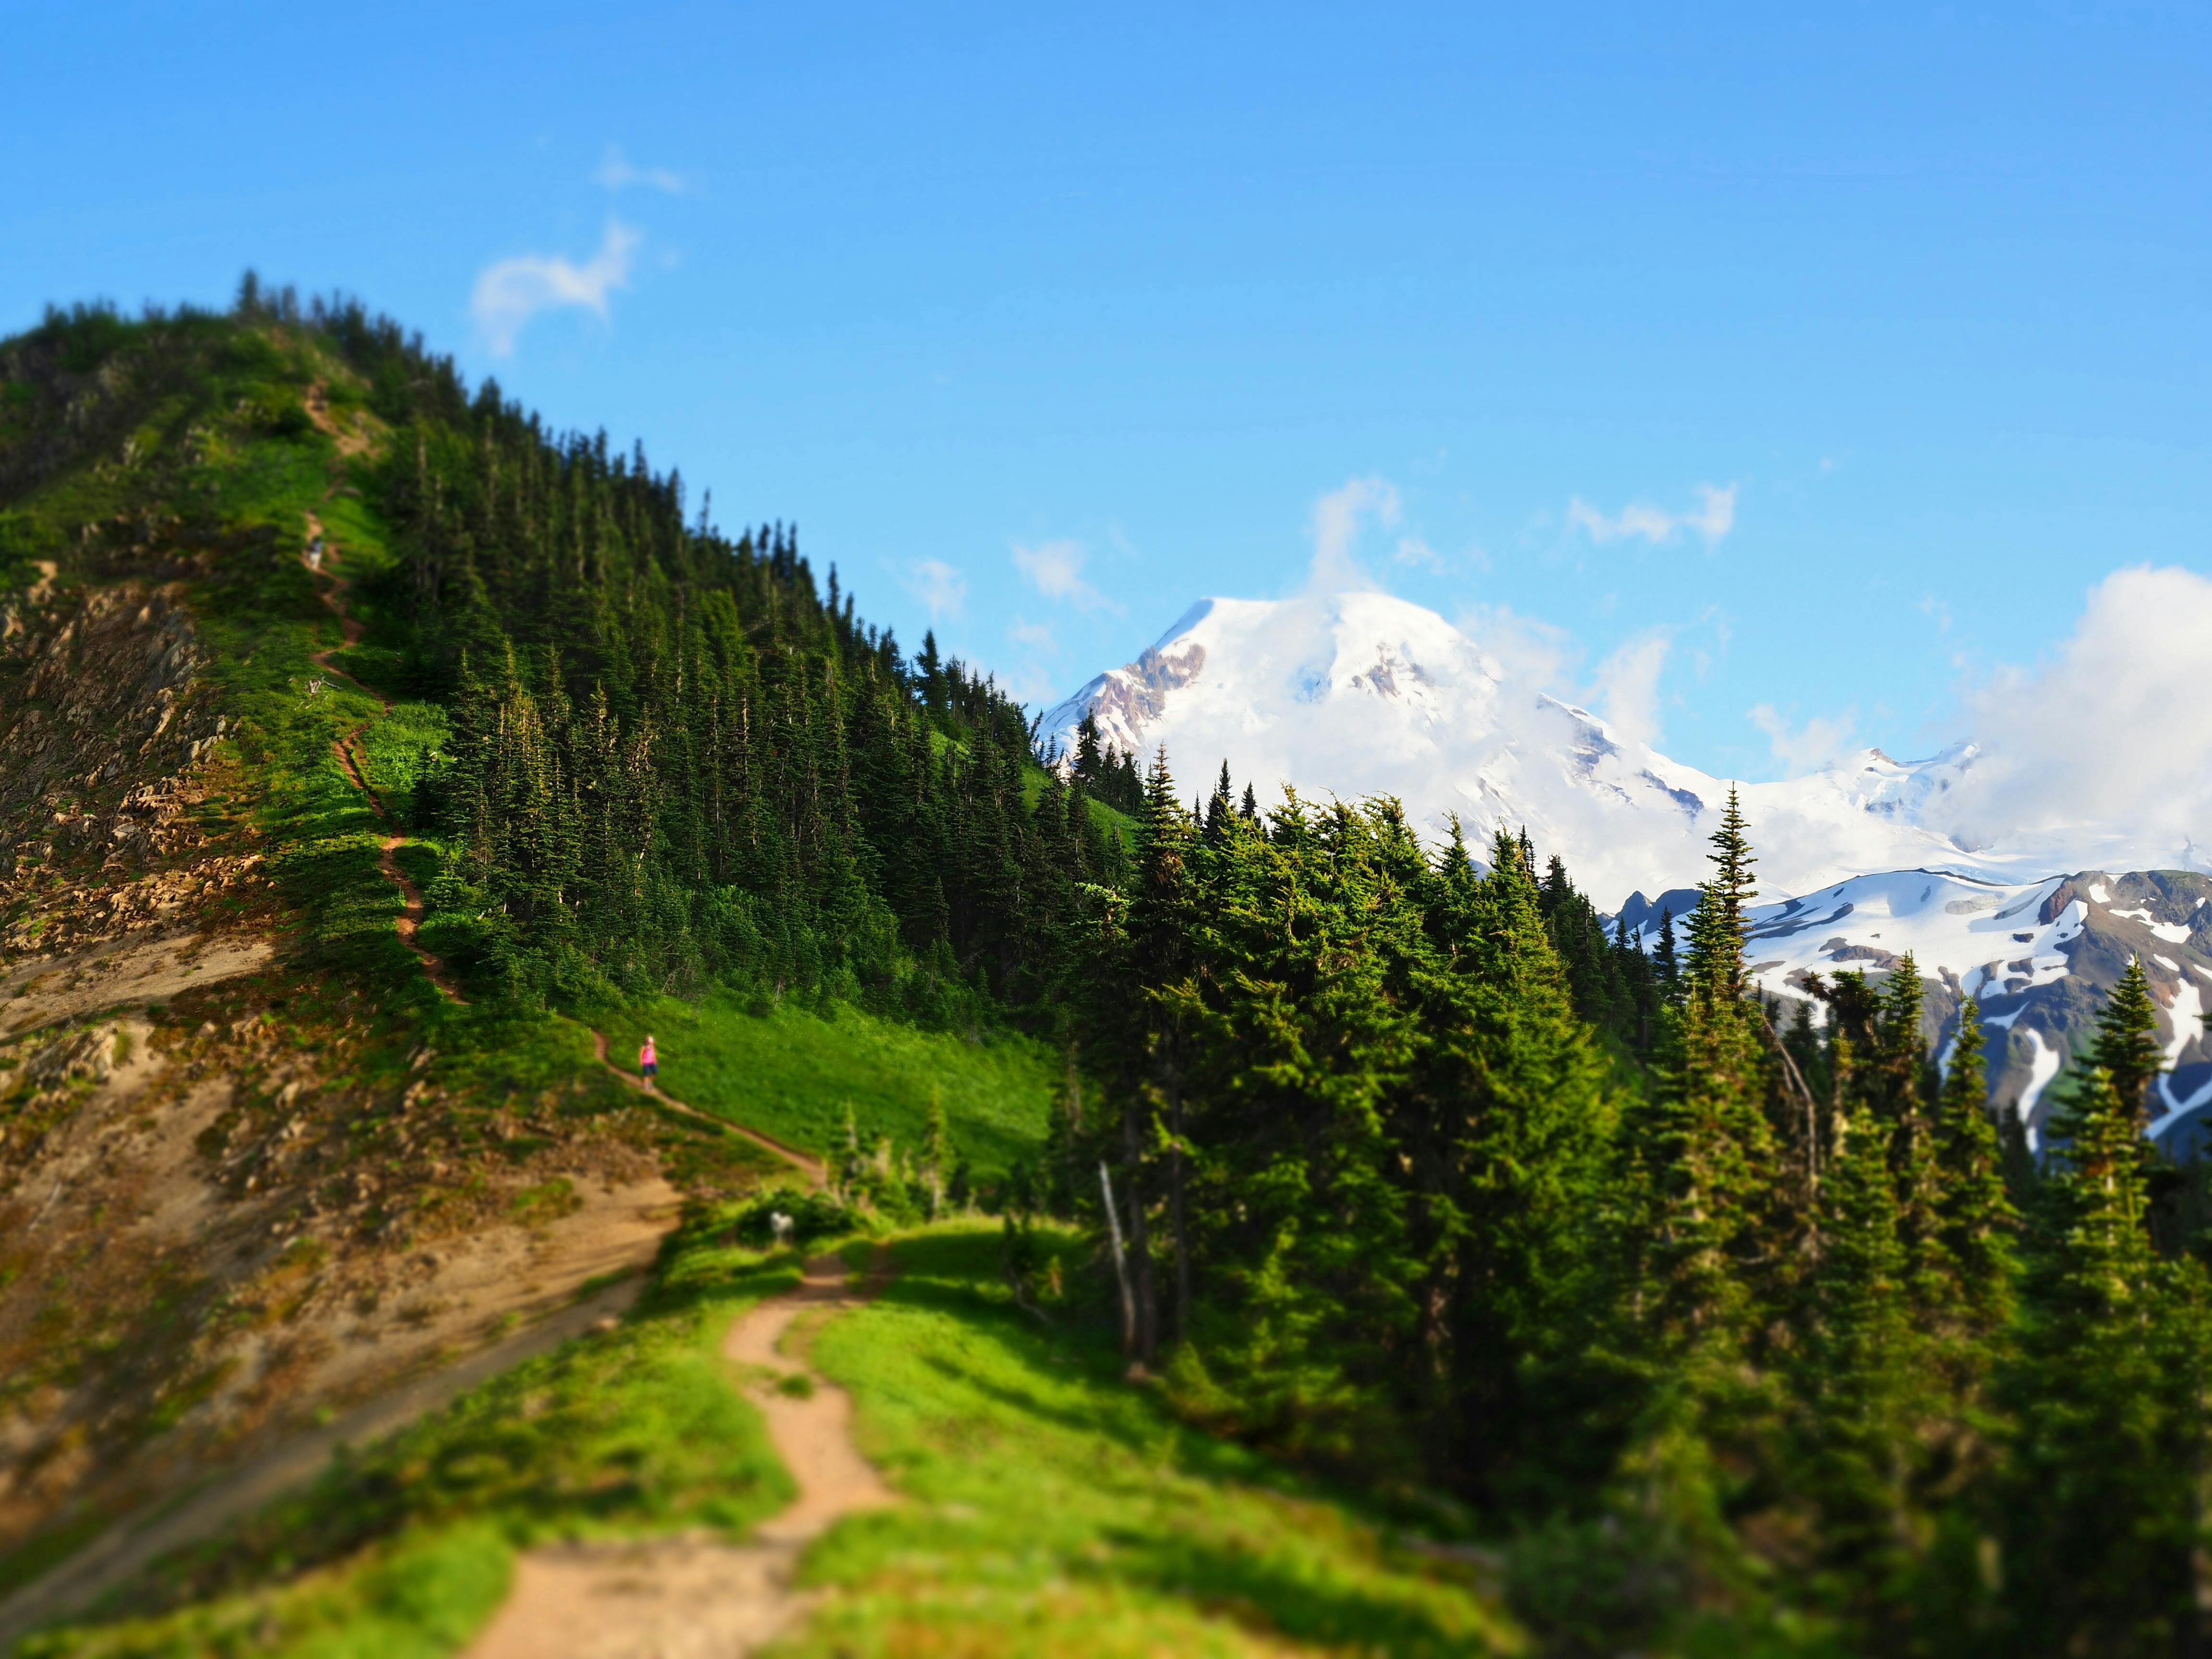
[[125, 1550], [353, 440], [690, 1598], [120, 973]]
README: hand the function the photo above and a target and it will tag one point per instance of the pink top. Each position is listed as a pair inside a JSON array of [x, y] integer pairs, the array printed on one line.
[[646, 1056]]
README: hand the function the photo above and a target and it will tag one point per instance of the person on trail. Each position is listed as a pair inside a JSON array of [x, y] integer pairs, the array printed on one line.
[[647, 1061]]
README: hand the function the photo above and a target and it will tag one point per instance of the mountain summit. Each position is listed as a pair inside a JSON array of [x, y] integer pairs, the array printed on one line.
[[1362, 693]]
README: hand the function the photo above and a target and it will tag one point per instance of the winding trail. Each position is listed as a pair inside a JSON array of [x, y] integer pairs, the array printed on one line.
[[695, 1597], [347, 749], [810, 1168]]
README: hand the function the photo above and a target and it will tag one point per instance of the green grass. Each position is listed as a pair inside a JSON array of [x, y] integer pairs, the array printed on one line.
[[791, 1073], [406, 1549], [419, 1599], [1108, 819], [1055, 1509], [396, 746]]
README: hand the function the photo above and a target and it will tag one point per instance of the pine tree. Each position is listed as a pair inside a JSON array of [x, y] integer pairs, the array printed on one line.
[[2106, 1513], [1975, 1256], [1700, 1270], [1504, 1117], [1861, 1374], [2127, 1049]]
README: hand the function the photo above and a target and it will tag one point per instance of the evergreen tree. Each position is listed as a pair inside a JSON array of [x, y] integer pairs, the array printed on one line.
[[1699, 1269], [1861, 1374], [2105, 1512], [2127, 1049], [1974, 1256], [1505, 1117]]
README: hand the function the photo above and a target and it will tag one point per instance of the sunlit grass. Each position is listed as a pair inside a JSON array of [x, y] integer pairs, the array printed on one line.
[[793, 1073]]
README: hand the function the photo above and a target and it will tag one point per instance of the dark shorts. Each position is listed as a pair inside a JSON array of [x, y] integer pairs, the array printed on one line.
[[652, 1068]]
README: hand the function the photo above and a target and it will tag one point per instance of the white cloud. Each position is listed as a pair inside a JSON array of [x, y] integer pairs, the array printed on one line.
[[2114, 730], [1038, 636], [1055, 568], [1337, 517], [1810, 746], [617, 173], [939, 585], [1528, 652], [1627, 691], [1712, 518], [509, 293]]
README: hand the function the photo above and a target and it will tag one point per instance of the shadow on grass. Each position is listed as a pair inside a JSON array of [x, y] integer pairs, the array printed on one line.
[[1266, 1548], [1285, 1597], [957, 1274]]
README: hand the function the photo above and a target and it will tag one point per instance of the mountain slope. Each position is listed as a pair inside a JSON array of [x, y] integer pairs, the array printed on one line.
[[257, 1165], [2040, 957]]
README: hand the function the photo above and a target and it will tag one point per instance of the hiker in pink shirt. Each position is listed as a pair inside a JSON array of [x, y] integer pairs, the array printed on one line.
[[647, 1061]]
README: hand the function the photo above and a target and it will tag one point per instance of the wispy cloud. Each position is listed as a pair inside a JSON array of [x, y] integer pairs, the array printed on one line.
[[617, 173], [940, 587], [1808, 747], [1055, 568], [512, 292], [1414, 550], [1038, 636], [1712, 518], [1337, 519], [1627, 691]]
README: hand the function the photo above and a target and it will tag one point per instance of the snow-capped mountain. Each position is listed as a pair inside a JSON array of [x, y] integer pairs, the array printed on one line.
[[1361, 693]]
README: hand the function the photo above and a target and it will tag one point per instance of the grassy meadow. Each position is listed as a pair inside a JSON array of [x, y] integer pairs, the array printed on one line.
[[793, 1073]]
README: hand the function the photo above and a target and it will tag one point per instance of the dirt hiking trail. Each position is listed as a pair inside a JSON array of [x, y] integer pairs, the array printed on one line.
[[697, 1598], [320, 553]]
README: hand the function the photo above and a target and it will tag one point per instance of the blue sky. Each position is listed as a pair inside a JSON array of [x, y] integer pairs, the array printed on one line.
[[1773, 376]]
